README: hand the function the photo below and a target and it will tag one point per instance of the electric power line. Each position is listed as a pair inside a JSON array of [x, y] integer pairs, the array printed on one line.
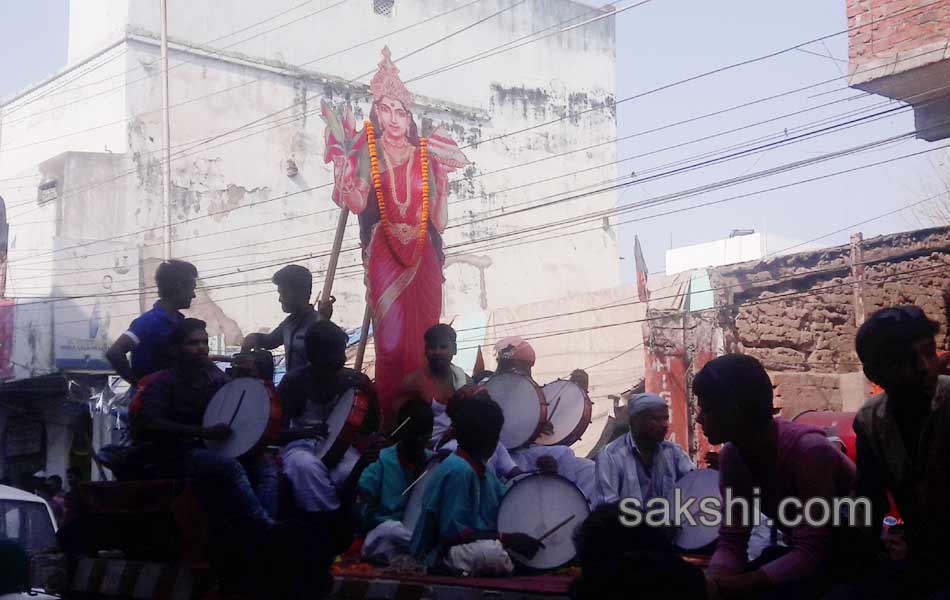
[[455, 202]]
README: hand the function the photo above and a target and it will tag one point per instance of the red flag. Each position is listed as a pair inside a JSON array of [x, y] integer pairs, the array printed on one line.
[[479, 364], [642, 291]]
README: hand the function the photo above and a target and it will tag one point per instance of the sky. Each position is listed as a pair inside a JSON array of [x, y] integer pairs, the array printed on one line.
[[665, 41], [33, 33], [669, 40]]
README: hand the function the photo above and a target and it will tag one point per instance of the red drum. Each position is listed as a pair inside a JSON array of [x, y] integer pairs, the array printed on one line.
[[569, 412], [344, 423], [523, 404], [548, 508], [840, 424], [247, 406]]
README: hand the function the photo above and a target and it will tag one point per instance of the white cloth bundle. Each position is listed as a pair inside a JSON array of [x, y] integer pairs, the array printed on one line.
[[385, 542], [479, 559]]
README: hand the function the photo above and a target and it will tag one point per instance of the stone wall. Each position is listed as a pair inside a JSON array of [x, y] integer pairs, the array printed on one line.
[[798, 315]]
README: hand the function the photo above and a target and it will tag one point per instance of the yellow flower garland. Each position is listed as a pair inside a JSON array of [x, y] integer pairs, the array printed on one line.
[[381, 198]]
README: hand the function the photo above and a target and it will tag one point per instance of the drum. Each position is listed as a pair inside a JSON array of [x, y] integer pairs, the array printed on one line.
[[569, 412], [548, 508], [523, 404], [245, 405], [344, 422], [699, 484]]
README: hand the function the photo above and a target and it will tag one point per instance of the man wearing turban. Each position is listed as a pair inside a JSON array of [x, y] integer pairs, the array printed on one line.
[[642, 464]]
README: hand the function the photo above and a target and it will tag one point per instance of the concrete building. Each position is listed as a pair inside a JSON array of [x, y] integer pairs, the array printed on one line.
[[81, 158], [741, 245], [898, 49]]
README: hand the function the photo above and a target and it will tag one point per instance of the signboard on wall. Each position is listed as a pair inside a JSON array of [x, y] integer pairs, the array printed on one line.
[[666, 377], [22, 437], [97, 285]]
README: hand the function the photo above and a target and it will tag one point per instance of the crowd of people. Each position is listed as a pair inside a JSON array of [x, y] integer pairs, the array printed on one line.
[[288, 508]]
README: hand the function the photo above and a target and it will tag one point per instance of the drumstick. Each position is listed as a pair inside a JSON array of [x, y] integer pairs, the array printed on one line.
[[556, 404], [556, 527], [406, 491], [238, 409], [554, 410], [401, 425]]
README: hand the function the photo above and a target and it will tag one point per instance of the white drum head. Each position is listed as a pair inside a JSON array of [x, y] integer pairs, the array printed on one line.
[[247, 402], [519, 401], [535, 505], [703, 483], [335, 422], [566, 405]]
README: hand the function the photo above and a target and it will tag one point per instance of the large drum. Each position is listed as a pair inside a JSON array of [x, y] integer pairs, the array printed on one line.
[[245, 405], [344, 422], [699, 484], [548, 508], [569, 412], [523, 404]]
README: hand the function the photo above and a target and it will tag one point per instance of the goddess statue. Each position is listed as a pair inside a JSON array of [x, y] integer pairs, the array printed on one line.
[[397, 183]]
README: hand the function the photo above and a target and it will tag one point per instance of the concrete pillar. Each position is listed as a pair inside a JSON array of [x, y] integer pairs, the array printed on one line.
[[59, 441]]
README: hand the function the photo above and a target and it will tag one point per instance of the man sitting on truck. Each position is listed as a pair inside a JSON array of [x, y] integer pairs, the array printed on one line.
[[435, 383], [166, 417], [458, 526], [897, 436], [325, 487], [384, 484], [642, 464]]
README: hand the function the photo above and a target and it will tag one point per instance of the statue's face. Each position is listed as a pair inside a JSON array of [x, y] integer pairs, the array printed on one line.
[[393, 117]]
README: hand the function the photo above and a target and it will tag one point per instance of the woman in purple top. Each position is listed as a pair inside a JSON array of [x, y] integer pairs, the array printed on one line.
[[787, 463]]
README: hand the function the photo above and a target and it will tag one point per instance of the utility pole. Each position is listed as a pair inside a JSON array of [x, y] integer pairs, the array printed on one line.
[[166, 165], [857, 273]]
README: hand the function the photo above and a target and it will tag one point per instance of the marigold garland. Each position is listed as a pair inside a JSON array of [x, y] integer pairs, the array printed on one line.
[[381, 198]]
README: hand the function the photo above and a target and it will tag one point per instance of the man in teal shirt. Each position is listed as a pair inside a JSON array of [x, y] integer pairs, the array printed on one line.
[[458, 527], [383, 483]]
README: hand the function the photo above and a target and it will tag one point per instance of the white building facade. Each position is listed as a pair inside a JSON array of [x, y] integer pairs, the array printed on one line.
[[526, 88], [81, 158]]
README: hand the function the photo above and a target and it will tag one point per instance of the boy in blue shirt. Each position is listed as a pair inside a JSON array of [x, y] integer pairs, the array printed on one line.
[[383, 483], [458, 527], [148, 336]]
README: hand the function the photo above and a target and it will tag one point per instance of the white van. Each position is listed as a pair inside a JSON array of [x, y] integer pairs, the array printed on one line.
[[28, 520]]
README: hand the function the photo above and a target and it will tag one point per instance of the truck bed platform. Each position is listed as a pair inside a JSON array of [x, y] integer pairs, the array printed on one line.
[[374, 584]]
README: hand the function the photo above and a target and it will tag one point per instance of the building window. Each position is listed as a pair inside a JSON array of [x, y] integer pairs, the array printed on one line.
[[383, 7]]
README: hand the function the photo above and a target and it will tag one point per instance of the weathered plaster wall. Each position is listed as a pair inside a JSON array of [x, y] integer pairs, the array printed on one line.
[[238, 214], [294, 221]]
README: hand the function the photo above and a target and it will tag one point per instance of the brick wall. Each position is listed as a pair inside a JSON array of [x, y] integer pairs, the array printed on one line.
[[873, 35]]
